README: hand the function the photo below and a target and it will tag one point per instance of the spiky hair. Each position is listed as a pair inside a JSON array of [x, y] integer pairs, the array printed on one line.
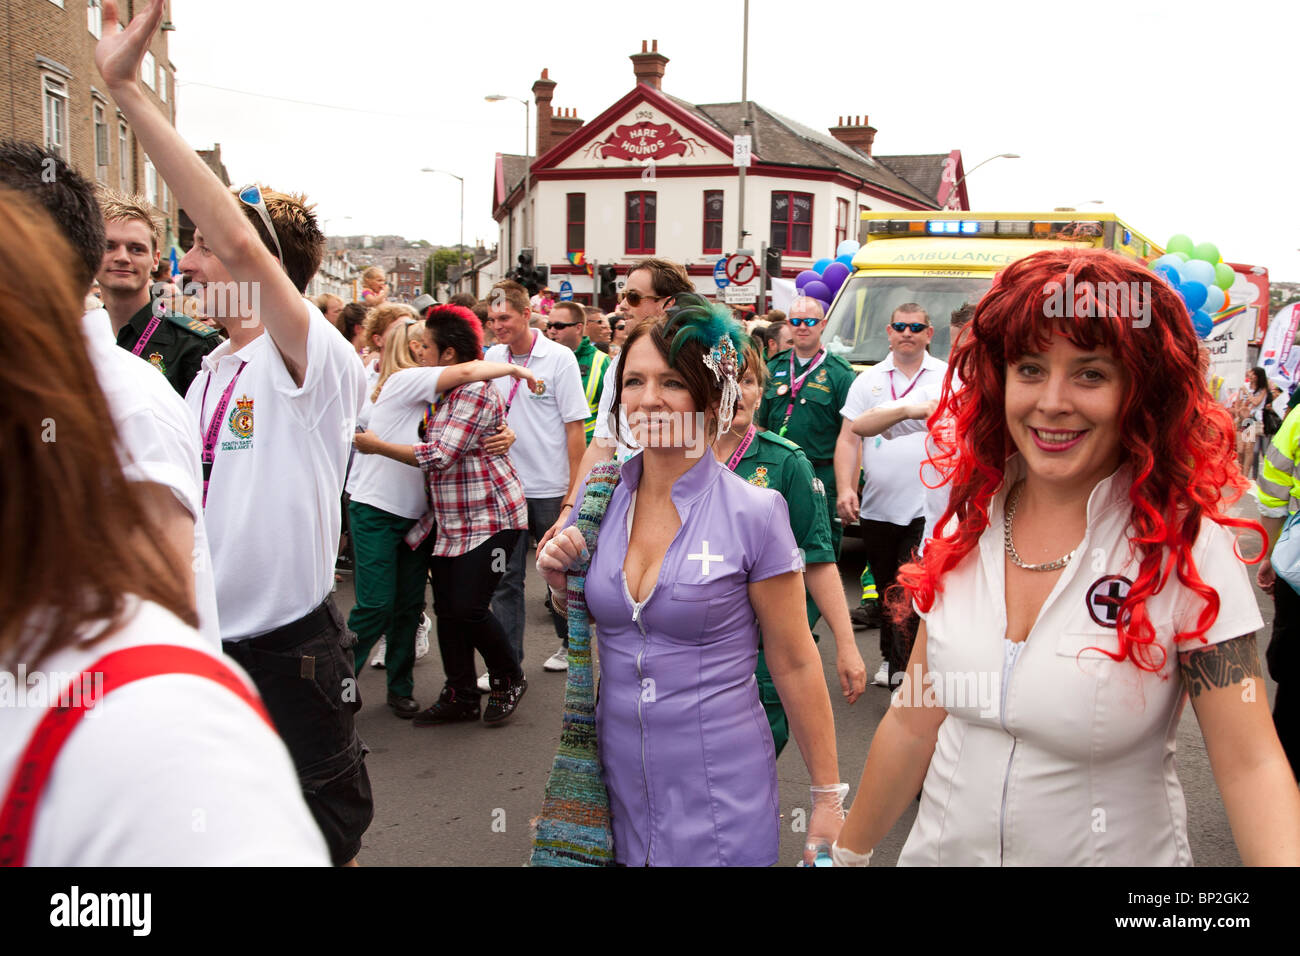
[[124, 207]]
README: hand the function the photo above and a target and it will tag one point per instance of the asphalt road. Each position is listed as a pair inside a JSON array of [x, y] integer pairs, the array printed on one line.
[[463, 795]]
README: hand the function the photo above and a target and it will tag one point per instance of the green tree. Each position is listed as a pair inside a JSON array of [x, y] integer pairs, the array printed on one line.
[[442, 259], [428, 275]]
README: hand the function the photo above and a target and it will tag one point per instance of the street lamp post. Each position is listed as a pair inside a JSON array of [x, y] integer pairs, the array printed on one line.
[[953, 196], [528, 158], [460, 246]]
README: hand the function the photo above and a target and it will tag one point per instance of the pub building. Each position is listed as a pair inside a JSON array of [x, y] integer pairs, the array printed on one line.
[[653, 175]]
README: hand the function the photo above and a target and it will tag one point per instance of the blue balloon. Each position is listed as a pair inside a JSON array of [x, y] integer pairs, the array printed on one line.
[[1198, 270], [1169, 261], [1194, 294], [847, 248], [835, 275], [1215, 300], [1168, 273], [817, 289], [803, 278], [846, 260], [1202, 323], [820, 265]]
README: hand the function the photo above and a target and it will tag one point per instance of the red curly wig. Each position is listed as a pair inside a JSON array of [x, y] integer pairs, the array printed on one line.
[[1177, 440]]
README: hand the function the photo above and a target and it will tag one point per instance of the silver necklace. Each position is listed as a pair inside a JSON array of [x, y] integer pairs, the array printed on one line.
[[1012, 501]]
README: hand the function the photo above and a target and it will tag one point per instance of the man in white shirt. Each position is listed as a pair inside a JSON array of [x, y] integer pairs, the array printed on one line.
[[893, 497], [549, 442], [276, 408], [157, 436]]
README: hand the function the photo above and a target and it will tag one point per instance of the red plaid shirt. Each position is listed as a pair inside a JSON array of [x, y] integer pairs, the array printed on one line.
[[472, 495]]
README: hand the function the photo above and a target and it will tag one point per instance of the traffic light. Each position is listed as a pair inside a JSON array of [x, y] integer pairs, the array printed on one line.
[[773, 263], [542, 275], [608, 276]]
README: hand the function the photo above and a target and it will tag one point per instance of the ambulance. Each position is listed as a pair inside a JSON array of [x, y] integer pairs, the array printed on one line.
[[943, 260]]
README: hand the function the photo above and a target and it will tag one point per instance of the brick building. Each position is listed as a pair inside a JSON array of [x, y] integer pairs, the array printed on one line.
[[51, 93], [405, 278]]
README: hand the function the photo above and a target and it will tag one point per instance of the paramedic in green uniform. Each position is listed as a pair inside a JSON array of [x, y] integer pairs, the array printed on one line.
[[806, 388], [568, 322], [769, 461]]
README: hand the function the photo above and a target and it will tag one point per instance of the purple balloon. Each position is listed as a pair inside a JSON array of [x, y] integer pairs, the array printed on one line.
[[803, 278], [835, 275], [817, 289]]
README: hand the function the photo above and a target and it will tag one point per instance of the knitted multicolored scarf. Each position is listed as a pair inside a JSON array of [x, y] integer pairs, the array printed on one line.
[[573, 828]]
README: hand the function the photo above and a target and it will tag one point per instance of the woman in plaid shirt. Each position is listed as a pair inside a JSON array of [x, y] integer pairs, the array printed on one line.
[[477, 503]]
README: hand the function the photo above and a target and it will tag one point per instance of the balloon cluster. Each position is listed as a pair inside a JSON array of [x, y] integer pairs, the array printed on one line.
[[1197, 273], [824, 279]]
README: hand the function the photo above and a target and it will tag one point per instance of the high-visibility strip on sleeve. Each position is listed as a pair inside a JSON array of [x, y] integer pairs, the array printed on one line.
[[1278, 491]]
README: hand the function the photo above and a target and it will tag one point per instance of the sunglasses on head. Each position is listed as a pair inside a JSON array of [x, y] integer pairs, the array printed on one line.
[[807, 320], [635, 298], [252, 196], [914, 327], [563, 325]]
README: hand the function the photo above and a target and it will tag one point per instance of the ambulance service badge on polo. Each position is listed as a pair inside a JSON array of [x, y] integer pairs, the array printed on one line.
[[241, 418], [1104, 597]]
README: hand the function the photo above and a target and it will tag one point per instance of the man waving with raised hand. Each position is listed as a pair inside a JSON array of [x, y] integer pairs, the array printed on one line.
[[276, 412]]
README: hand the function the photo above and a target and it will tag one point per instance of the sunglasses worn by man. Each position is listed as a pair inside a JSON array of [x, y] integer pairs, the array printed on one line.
[[808, 321], [635, 298], [916, 327], [556, 326]]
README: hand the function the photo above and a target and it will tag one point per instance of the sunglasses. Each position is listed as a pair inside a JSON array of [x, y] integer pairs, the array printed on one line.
[[635, 298], [252, 196], [808, 321], [562, 325], [915, 327], [620, 327]]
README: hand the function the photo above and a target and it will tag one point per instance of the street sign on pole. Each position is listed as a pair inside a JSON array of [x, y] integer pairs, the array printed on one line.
[[741, 270], [744, 295], [741, 149], [720, 274], [566, 291]]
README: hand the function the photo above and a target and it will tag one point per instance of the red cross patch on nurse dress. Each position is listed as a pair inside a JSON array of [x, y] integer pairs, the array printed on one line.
[[1104, 598]]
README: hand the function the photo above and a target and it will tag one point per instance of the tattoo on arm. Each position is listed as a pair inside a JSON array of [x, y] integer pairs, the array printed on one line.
[[1220, 665]]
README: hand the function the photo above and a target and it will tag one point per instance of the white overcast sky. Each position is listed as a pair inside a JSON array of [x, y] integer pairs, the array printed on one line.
[[1180, 116]]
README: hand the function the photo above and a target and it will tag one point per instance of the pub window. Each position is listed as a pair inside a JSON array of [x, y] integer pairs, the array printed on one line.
[[792, 223], [639, 233], [713, 220], [575, 223]]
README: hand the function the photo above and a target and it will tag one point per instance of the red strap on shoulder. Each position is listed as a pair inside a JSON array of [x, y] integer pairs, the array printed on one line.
[[110, 672]]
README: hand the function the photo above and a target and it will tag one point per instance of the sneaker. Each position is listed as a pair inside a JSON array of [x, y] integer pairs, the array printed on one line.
[[865, 615], [559, 661], [381, 649], [448, 709], [343, 565], [882, 675], [422, 637], [485, 682], [504, 699]]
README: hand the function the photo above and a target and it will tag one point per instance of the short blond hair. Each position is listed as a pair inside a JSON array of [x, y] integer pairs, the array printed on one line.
[[381, 317], [126, 207]]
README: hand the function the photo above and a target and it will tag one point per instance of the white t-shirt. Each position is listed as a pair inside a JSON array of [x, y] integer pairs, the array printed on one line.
[[173, 770], [157, 442], [273, 497], [892, 489], [623, 452], [1053, 754], [541, 449], [381, 482]]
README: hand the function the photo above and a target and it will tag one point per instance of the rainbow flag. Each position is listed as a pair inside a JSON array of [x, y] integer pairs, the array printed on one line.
[[580, 259], [1228, 314]]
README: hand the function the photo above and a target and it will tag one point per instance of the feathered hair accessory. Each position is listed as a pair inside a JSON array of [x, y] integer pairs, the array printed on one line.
[[694, 319]]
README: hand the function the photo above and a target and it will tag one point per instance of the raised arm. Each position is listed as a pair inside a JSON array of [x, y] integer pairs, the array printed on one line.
[[273, 301], [1226, 686], [453, 376]]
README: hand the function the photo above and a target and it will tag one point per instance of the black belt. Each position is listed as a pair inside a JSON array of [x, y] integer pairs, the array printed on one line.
[[822, 462], [263, 651]]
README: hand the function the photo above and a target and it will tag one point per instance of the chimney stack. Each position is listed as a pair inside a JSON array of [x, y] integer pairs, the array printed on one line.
[[648, 65], [564, 124], [857, 133], [543, 91]]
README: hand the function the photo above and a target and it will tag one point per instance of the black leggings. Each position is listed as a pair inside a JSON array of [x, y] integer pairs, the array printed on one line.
[[462, 600], [889, 547]]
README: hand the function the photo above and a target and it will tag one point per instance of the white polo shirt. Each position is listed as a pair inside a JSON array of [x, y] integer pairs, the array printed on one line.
[[623, 452], [182, 771], [541, 450], [1053, 754], [892, 489], [273, 497], [157, 442], [395, 417]]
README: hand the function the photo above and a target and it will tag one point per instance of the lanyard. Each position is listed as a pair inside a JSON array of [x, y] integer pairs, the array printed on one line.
[[744, 446], [146, 335], [428, 417], [796, 384], [905, 391], [524, 364], [214, 426]]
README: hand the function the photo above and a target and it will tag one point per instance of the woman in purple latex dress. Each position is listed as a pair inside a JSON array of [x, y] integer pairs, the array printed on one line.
[[690, 561]]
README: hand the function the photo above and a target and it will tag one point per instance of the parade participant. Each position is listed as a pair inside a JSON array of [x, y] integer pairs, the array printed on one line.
[[1095, 571], [352, 323], [568, 322], [544, 423], [330, 305], [387, 498], [618, 334], [598, 331], [893, 497], [144, 323], [766, 460], [780, 337], [378, 320], [481, 512], [691, 562], [374, 287], [276, 406], [156, 433], [191, 743]]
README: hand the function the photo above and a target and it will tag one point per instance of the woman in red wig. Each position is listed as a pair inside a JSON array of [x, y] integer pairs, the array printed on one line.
[[1083, 584]]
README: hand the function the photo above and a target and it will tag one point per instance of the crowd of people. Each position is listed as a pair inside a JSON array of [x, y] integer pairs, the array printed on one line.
[[1050, 508]]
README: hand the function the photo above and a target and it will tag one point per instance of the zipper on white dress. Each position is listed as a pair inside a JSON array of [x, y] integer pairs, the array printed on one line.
[[1010, 656]]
